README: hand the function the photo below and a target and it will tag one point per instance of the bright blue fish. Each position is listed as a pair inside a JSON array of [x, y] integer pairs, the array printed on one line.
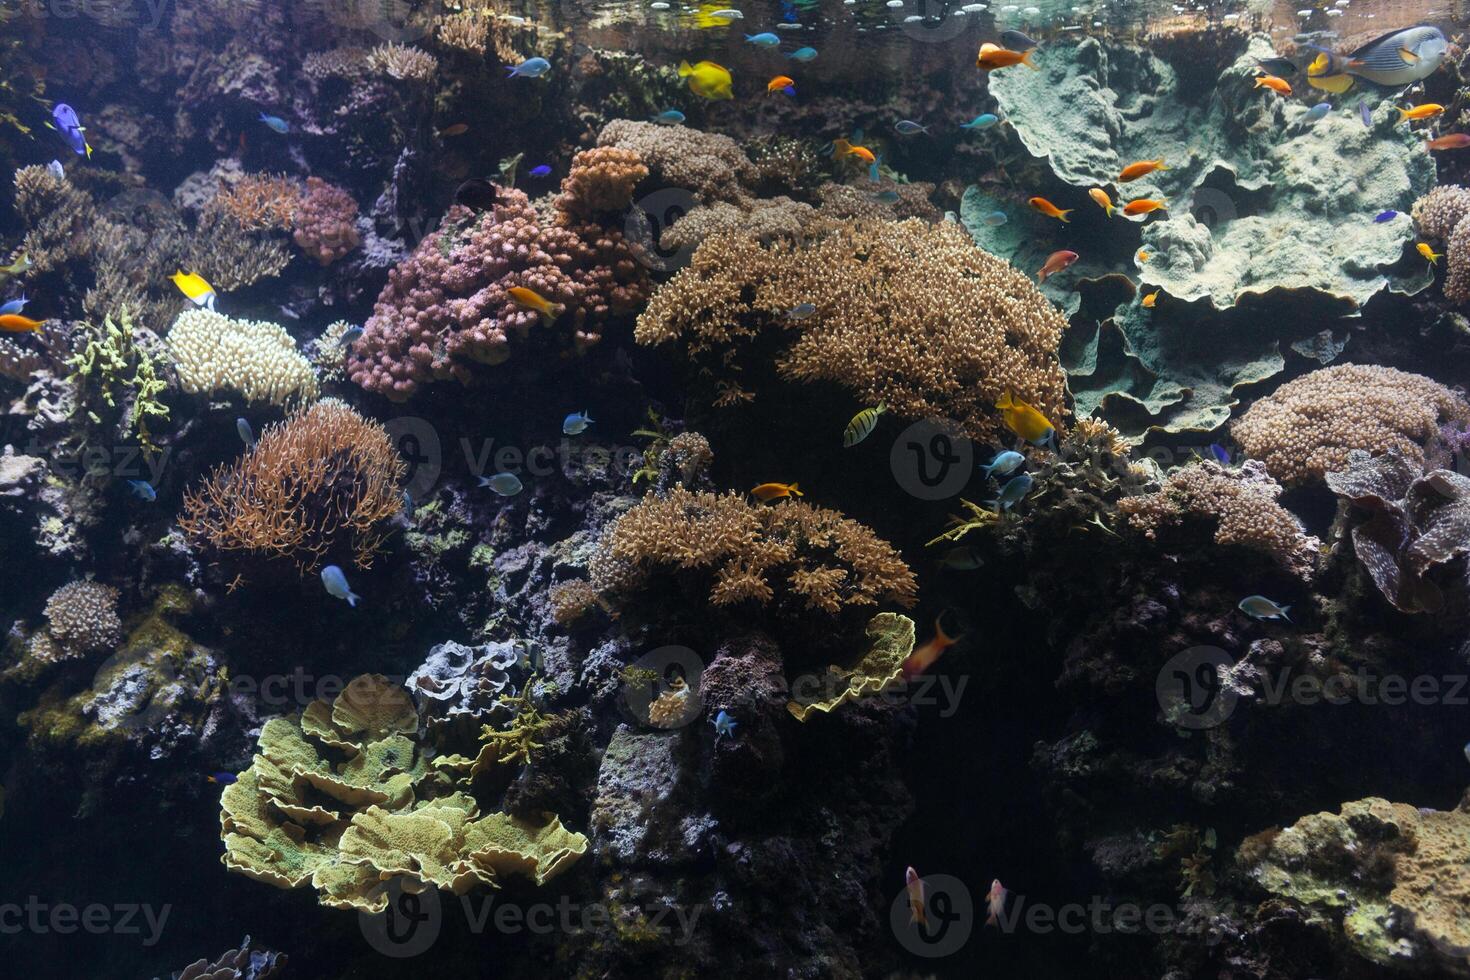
[[276, 123], [143, 490], [1003, 463], [766, 40], [1317, 112], [1384, 216], [576, 423], [65, 121], [337, 587], [1012, 493], [222, 778], [875, 170], [724, 725], [670, 117], [14, 306], [803, 54], [542, 171], [505, 484], [983, 121], [1220, 453], [531, 68]]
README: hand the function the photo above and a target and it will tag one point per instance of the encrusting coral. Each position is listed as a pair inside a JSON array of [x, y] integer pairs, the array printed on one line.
[[256, 360], [317, 486], [1243, 504], [1307, 427], [448, 308], [348, 799], [815, 557], [1440, 215], [908, 314]]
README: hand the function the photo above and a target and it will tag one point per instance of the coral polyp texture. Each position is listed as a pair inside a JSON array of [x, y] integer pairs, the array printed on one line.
[[601, 179], [82, 617], [907, 314], [793, 553], [1440, 215], [1307, 427], [710, 166], [325, 222], [258, 361], [347, 799], [447, 310], [316, 487]]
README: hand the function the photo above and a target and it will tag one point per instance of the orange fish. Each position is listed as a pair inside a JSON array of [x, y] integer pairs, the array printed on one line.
[[923, 658], [1141, 169], [843, 148], [782, 83], [1142, 256], [458, 129], [995, 901], [915, 886], [1426, 111], [1049, 209], [1103, 201], [993, 56], [1144, 205], [15, 323], [1454, 141], [1055, 263], [1277, 85], [767, 492], [532, 300], [1151, 299]]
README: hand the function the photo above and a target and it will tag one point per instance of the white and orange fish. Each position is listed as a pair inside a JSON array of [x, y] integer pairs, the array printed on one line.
[[915, 885], [923, 658], [995, 899]]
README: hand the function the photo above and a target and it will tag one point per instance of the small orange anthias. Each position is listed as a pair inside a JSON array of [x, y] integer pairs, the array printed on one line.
[[767, 492], [924, 657]]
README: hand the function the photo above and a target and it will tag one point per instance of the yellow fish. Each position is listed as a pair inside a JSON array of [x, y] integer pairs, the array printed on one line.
[[1142, 256], [1151, 299], [1426, 111], [1429, 253], [707, 80], [533, 300], [22, 264], [194, 286], [1103, 201], [1024, 420], [1336, 84], [862, 425], [772, 491]]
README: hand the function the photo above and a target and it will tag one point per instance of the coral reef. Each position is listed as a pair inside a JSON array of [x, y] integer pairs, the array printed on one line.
[[257, 361], [1440, 215], [82, 618], [601, 179], [316, 487], [711, 166], [325, 222], [118, 369]]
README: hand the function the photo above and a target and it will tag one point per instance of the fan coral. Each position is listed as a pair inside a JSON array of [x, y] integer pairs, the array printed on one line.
[[601, 179], [1439, 214], [1243, 504], [708, 164], [347, 799], [82, 618], [326, 222], [447, 307], [402, 61], [908, 314], [825, 559], [261, 201], [254, 359], [1308, 426], [316, 486]]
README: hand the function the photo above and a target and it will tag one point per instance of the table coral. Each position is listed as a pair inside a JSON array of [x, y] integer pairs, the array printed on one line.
[[1307, 427], [256, 360], [818, 558], [907, 314], [447, 308]]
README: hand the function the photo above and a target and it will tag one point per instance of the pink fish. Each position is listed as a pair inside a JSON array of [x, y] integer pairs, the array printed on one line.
[[915, 886], [996, 899], [1055, 263]]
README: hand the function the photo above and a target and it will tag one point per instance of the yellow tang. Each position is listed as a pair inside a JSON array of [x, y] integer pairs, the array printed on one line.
[[707, 80]]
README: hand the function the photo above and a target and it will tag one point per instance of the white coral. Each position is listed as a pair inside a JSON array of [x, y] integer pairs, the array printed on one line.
[[254, 359]]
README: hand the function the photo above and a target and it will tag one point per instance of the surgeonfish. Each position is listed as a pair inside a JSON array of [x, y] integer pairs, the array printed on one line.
[[1259, 607], [1003, 463], [1055, 262], [576, 423], [1140, 169], [862, 425], [195, 288], [1103, 201], [1430, 254], [1049, 209], [993, 57], [532, 300], [767, 492], [336, 585], [530, 68], [143, 490], [1400, 57], [915, 886], [1012, 493], [924, 657], [65, 121], [707, 80], [1024, 420], [505, 484]]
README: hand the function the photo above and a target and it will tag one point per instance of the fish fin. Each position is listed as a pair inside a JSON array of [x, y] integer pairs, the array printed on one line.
[[1063, 216], [1284, 611], [795, 492], [352, 598], [1026, 60], [940, 636], [685, 70], [1408, 56]]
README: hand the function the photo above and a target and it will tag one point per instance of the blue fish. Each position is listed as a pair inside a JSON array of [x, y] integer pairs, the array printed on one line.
[[337, 587], [576, 423], [542, 171], [1385, 216], [724, 725], [223, 778], [886, 197], [505, 484], [276, 123], [1259, 607], [670, 117], [983, 121], [55, 169], [1365, 114], [143, 490], [1220, 453], [803, 54], [14, 306], [994, 218], [875, 170], [530, 68], [247, 435], [1317, 112], [907, 127], [1012, 493], [801, 311], [766, 40], [1003, 463], [65, 121], [349, 336], [408, 505]]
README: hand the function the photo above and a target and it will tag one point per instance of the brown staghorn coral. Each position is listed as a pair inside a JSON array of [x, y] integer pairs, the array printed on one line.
[[1307, 427], [82, 618], [1242, 503], [402, 61], [778, 217], [601, 179], [325, 222], [712, 166], [1440, 214], [908, 314], [317, 485], [260, 202], [841, 201], [823, 560]]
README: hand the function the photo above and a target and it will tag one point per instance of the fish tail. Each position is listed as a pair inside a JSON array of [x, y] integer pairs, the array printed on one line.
[[940, 636], [685, 70], [1062, 216], [1159, 163], [795, 492], [1284, 611], [1026, 60], [352, 598], [1403, 113], [990, 919]]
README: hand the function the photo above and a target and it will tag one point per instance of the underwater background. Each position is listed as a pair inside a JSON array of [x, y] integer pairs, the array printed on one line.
[[842, 489]]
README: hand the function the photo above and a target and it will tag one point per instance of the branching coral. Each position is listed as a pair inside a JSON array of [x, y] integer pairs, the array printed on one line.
[[767, 220], [816, 557], [260, 202], [601, 179], [907, 314], [113, 370], [402, 61], [82, 618], [59, 218], [325, 222], [1308, 426], [347, 798], [711, 166], [1242, 503], [448, 306], [1440, 214], [317, 486], [253, 359]]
